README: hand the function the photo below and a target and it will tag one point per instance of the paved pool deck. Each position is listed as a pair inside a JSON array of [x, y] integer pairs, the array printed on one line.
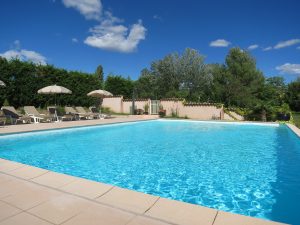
[[35, 196], [8, 129]]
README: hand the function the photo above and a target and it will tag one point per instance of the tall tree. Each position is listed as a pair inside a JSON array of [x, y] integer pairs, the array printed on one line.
[[196, 78], [99, 74], [146, 85], [241, 80], [293, 95], [274, 91], [119, 85], [182, 75]]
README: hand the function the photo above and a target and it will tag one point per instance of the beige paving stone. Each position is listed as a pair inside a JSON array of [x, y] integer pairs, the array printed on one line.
[[9, 166], [52, 179], [48, 126], [101, 215], [7, 210], [141, 220], [30, 196], [182, 213], [5, 178], [235, 219], [24, 219], [60, 208], [10, 187], [3, 160], [130, 200], [86, 188], [27, 172]]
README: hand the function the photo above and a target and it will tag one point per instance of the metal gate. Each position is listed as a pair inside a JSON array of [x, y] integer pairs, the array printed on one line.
[[154, 106]]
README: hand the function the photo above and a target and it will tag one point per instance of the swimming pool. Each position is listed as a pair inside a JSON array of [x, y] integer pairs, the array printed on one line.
[[248, 169]]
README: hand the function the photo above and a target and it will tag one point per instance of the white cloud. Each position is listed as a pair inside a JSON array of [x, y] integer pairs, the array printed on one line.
[[252, 47], [157, 17], [289, 68], [110, 35], [91, 9], [267, 48], [219, 43], [74, 40], [298, 47], [23, 54], [284, 44]]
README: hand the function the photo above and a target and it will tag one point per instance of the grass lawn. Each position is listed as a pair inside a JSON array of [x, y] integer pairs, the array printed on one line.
[[296, 117]]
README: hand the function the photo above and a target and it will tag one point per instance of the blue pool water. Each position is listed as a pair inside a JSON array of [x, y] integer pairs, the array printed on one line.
[[247, 169]]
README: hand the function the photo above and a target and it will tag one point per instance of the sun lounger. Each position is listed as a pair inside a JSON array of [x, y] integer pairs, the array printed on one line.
[[2, 119], [11, 113], [53, 112], [71, 111], [93, 109], [89, 115], [36, 116]]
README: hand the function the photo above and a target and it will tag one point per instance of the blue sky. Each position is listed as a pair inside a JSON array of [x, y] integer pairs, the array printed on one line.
[[126, 36]]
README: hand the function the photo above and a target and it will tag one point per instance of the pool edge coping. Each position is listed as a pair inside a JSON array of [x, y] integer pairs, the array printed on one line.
[[77, 126], [293, 128]]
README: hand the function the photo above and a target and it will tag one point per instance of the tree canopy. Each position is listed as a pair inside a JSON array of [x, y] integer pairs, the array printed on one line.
[[293, 95], [237, 83], [24, 79], [119, 85]]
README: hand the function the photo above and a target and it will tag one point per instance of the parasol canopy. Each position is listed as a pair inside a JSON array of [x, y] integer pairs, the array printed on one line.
[[99, 93]]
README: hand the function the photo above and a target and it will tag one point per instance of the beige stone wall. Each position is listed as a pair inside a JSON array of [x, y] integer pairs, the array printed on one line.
[[170, 106], [203, 112], [114, 103], [138, 105]]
